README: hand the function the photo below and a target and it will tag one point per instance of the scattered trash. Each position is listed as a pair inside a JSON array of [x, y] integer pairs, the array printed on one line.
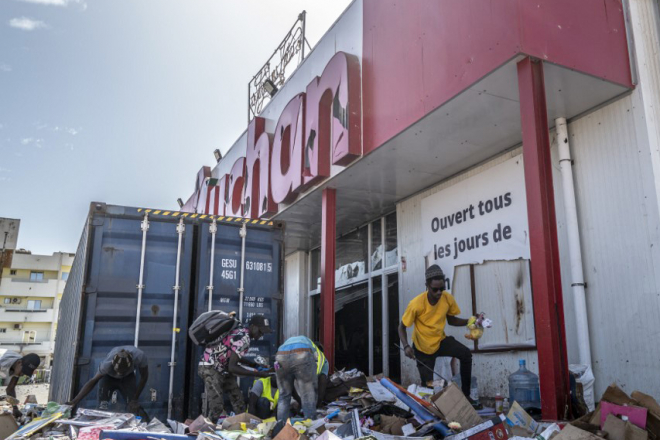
[[381, 409], [452, 405], [492, 429]]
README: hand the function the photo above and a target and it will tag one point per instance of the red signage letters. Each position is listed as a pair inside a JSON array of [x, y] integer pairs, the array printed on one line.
[[318, 128]]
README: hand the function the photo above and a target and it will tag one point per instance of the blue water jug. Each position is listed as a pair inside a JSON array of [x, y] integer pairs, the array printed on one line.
[[524, 388]]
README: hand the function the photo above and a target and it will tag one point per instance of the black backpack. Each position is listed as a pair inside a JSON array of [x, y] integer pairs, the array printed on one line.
[[211, 327]]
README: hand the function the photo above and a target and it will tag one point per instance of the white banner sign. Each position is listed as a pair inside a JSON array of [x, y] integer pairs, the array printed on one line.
[[481, 218]]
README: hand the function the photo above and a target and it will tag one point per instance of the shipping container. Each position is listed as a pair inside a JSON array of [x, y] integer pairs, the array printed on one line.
[[159, 262]]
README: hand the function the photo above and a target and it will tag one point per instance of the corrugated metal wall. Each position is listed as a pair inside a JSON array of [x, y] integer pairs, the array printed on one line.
[[620, 229], [66, 342]]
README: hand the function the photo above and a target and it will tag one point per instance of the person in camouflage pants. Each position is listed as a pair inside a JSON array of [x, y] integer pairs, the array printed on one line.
[[221, 363], [216, 384]]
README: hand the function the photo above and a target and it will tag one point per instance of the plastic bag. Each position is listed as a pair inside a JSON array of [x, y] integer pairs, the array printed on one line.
[[54, 408], [584, 376], [157, 426]]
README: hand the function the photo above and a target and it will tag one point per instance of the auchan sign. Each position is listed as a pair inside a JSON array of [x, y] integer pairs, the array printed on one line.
[[318, 128]]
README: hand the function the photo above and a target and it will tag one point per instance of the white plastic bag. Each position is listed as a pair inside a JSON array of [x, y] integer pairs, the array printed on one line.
[[585, 376]]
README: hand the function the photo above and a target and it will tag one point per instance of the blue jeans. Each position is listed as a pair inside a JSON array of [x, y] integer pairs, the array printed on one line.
[[298, 369]]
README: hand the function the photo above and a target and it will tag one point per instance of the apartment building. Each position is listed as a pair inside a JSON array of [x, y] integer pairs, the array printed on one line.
[[31, 288]]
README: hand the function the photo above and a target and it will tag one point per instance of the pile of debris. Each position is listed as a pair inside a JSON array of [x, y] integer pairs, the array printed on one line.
[[376, 408], [618, 417]]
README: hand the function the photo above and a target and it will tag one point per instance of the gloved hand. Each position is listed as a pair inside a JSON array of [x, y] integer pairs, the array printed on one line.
[[409, 352], [17, 412], [133, 406]]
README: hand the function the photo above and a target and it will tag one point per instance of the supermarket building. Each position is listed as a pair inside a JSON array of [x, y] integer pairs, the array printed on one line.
[[515, 143]]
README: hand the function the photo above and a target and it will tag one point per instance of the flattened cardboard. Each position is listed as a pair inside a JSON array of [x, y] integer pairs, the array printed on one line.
[[647, 402], [8, 425], [616, 395], [617, 429], [570, 432], [290, 433], [234, 423], [493, 429], [636, 414], [517, 416], [454, 407]]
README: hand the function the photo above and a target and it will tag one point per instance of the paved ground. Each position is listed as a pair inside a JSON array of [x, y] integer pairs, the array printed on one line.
[[22, 391]]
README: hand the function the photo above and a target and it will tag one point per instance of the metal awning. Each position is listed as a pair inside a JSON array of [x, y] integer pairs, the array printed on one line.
[[479, 123]]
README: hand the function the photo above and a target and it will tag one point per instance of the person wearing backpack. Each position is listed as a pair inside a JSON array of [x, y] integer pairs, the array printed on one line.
[[222, 361]]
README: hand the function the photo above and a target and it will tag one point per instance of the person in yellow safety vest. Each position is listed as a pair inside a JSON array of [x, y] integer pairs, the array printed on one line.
[[263, 398], [302, 362]]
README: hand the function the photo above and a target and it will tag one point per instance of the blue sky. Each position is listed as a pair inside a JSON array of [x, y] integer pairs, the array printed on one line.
[[122, 101]]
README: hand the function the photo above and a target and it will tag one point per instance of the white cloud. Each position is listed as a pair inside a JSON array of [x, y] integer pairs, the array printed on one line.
[[27, 24], [29, 141], [5, 179], [63, 3], [5, 170], [5, 68], [70, 130]]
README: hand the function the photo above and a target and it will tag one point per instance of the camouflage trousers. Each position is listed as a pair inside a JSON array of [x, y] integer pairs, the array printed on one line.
[[215, 385]]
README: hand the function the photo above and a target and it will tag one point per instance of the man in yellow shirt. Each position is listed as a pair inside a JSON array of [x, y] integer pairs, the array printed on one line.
[[429, 312]]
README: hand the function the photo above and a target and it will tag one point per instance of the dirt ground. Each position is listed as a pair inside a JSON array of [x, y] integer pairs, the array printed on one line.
[[22, 391]]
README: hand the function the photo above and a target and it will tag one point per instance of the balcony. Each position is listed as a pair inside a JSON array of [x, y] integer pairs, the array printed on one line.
[[24, 287], [16, 314], [40, 348]]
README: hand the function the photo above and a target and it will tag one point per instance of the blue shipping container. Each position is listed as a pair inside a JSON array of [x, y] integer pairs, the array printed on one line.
[[99, 306], [262, 288]]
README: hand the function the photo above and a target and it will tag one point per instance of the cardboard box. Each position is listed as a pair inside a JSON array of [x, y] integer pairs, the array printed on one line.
[[637, 415], [289, 433], [647, 402], [8, 425], [453, 406], [493, 429], [517, 416], [617, 429], [570, 432], [235, 423]]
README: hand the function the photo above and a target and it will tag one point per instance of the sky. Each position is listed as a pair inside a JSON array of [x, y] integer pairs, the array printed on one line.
[[123, 101]]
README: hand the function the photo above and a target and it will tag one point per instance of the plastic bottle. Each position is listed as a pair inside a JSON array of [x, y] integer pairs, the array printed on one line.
[[505, 406], [524, 387], [499, 404], [474, 389]]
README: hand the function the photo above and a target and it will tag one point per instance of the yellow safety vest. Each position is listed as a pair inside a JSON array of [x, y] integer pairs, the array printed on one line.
[[320, 359], [267, 392]]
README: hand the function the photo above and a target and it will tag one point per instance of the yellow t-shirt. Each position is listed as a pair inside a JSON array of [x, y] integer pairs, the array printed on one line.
[[429, 320]]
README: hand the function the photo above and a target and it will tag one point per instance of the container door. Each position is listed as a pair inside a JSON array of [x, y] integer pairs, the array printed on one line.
[[262, 284], [110, 305]]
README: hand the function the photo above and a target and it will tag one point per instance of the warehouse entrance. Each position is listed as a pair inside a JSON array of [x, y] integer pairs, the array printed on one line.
[[366, 298]]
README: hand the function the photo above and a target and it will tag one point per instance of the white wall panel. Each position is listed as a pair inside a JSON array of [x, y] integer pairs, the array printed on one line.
[[503, 291], [618, 216], [295, 294]]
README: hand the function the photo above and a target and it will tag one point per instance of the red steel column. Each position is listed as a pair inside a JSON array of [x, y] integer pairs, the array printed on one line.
[[328, 244], [544, 249]]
